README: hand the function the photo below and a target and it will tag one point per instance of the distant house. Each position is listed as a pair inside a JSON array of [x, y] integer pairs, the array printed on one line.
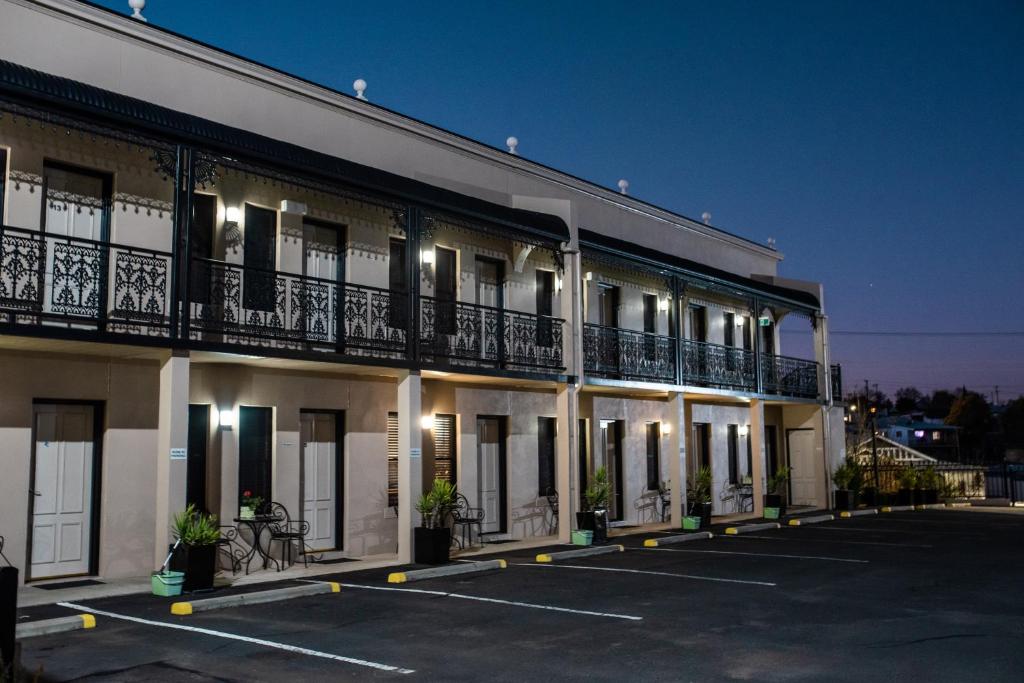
[[931, 437]]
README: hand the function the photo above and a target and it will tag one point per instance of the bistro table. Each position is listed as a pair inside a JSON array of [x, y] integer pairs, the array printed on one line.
[[258, 525]]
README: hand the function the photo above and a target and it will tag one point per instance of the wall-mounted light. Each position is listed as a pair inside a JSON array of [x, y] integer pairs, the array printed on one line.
[[744, 430], [662, 304], [227, 419], [232, 215], [588, 276], [558, 284], [666, 429], [427, 257], [427, 422], [741, 320]]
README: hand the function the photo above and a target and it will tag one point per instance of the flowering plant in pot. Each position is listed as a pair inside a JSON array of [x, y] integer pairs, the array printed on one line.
[[434, 537], [595, 498], [249, 505], [197, 553], [698, 498]]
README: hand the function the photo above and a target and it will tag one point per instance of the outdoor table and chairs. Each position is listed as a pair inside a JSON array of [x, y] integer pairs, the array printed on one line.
[[272, 524]]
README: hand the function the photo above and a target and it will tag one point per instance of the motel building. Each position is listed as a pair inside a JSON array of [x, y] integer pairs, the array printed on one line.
[[216, 277]]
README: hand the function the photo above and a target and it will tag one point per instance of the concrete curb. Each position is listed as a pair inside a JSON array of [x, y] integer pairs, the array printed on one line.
[[958, 505], [898, 508], [929, 506], [256, 598], [681, 538], [45, 627], [446, 570], [582, 552], [749, 528], [816, 519], [847, 514]]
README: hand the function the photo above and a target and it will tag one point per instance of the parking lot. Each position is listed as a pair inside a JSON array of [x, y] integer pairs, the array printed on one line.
[[927, 595]]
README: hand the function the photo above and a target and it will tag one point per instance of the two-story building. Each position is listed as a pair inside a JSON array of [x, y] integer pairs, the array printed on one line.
[[218, 279]]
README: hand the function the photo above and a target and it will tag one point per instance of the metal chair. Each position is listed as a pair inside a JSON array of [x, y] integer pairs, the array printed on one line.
[[464, 518], [287, 532], [230, 546], [664, 500], [552, 496]]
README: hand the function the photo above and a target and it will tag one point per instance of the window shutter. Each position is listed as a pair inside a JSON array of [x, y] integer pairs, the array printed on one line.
[[444, 447], [392, 459], [733, 454], [545, 455], [653, 453]]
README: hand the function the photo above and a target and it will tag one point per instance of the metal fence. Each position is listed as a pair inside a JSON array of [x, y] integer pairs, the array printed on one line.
[[961, 481], [1005, 480]]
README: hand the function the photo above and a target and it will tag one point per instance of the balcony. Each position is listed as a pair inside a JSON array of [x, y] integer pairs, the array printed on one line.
[[243, 305], [721, 367], [80, 284], [788, 376], [472, 335], [627, 354]]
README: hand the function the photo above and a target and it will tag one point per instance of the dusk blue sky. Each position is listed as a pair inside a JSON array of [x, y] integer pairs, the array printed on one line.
[[880, 144]]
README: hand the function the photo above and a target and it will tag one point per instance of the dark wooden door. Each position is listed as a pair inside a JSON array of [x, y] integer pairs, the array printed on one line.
[[255, 473], [260, 258], [198, 436]]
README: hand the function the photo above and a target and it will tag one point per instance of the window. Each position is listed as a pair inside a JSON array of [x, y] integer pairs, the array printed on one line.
[[3, 180], [653, 456], [546, 433], [260, 256], [393, 460], [398, 283], [444, 447], [255, 468], [698, 323], [734, 447], [608, 305], [650, 326], [545, 294], [701, 445], [750, 455], [729, 319], [204, 219]]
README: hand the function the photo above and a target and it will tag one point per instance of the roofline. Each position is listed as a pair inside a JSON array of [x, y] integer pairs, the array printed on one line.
[[169, 40]]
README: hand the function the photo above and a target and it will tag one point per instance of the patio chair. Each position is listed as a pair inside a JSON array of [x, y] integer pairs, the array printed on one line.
[[664, 500], [464, 518], [552, 496], [231, 547], [287, 532]]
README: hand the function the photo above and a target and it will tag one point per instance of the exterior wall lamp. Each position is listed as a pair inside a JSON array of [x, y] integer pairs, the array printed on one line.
[[666, 428], [662, 305], [427, 422], [427, 257], [227, 419], [232, 215], [743, 430]]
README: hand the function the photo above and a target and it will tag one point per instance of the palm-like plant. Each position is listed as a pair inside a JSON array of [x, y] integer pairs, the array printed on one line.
[[597, 494]]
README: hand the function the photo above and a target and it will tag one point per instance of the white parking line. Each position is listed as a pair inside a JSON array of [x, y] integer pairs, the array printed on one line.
[[792, 539], [731, 552], [245, 639], [497, 601], [648, 572]]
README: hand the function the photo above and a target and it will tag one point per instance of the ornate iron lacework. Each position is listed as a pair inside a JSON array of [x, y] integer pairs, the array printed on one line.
[[205, 170], [59, 199], [789, 376], [628, 354], [59, 121], [31, 179], [21, 268], [147, 203], [78, 270], [140, 287], [165, 163], [718, 366]]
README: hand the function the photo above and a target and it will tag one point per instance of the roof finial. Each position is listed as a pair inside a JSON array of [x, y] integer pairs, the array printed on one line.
[[623, 186], [707, 217], [137, 7], [359, 85], [512, 143], [771, 243]]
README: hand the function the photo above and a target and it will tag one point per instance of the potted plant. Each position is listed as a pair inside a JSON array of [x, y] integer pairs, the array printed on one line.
[[906, 480], [197, 553], [929, 482], [698, 499], [847, 479], [595, 517], [249, 505], [434, 538], [775, 498]]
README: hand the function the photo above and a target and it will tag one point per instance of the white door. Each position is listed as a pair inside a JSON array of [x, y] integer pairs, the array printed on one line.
[[489, 474], [319, 465], [488, 293], [62, 493], [801, 462], [323, 249]]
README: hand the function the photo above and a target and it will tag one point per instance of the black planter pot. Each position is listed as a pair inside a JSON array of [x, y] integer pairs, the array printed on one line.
[[702, 510], [885, 499], [774, 500], [596, 521], [869, 496], [905, 497], [845, 500], [929, 496], [431, 545], [199, 562]]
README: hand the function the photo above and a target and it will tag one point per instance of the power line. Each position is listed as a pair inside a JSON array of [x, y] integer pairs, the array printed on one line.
[[881, 333]]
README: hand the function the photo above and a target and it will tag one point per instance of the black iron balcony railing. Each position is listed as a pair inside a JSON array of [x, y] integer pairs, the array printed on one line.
[[789, 376], [53, 279], [714, 365], [271, 308], [459, 333], [628, 354]]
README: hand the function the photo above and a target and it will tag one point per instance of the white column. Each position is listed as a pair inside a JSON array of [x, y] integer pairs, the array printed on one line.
[[566, 464], [823, 356], [172, 448], [675, 418], [757, 465], [410, 460]]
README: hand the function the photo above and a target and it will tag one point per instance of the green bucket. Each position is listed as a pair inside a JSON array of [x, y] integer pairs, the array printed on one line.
[[691, 523], [771, 513], [167, 584], [582, 537]]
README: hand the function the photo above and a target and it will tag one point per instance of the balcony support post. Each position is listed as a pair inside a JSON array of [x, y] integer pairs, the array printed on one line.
[[172, 447], [676, 413], [757, 464], [410, 462], [758, 367], [181, 248], [822, 356], [567, 435], [412, 257]]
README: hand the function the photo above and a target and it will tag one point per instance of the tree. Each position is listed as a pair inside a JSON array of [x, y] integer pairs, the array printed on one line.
[[1013, 423], [972, 414], [939, 404], [908, 399]]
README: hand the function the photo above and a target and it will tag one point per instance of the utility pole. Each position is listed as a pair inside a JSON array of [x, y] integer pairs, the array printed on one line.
[[874, 449]]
